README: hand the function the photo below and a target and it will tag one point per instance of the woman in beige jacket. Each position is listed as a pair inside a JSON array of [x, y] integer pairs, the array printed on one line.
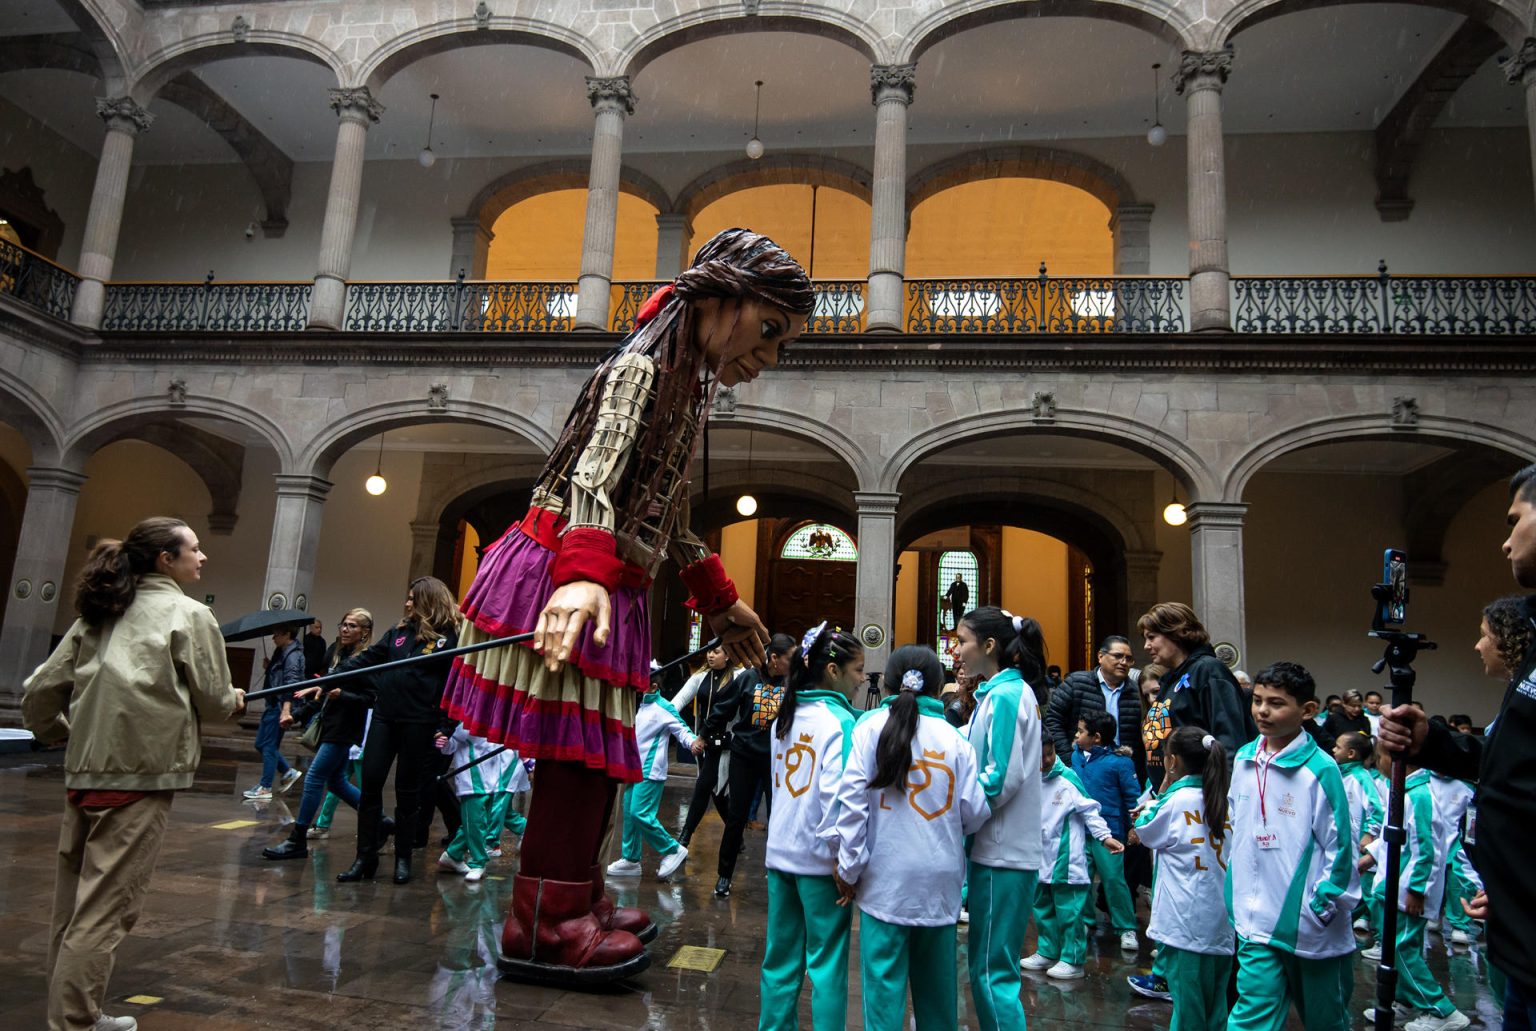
[[129, 685]]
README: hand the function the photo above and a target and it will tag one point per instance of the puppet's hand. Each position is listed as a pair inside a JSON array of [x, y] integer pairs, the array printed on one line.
[[565, 615], [741, 633]]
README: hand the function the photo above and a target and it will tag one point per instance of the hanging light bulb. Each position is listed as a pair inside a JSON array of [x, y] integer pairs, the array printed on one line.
[[755, 145], [1175, 514], [1157, 135], [426, 157], [746, 505], [376, 484]]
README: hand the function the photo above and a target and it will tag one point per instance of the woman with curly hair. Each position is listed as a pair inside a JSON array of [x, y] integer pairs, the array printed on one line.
[[1505, 636]]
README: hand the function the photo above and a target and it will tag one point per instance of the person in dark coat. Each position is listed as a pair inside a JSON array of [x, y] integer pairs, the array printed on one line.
[[1096, 690], [314, 648], [958, 598], [1349, 719], [1199, 690]]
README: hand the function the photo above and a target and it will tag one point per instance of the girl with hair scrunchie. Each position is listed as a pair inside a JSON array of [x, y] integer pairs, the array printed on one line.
[[609, 508]]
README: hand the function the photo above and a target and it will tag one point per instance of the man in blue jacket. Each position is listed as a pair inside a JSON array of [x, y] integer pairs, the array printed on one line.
[[286, 667], [1110, 780]]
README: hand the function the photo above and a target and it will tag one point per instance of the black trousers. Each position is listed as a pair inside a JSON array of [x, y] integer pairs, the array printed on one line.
[[411, 744], [704, 792], [746, 772], [440, 798]]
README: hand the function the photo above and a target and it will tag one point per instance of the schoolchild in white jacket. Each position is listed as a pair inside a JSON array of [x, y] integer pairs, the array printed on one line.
[[504, 816], [478, 789], [808, 930], [655, 720], [1452, 799], [1068, 817], [909, 796], [1186, 829], [1005, 651], [1291, 879]]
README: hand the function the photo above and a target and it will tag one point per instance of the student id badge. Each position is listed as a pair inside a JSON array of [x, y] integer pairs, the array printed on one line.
[[1267, 840]]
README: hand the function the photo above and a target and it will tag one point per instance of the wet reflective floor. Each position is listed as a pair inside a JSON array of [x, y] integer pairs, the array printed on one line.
[[229, 941]]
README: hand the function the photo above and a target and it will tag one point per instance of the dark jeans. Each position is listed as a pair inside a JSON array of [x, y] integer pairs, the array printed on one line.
[[388, 740], [704, 792], [438, 794], [269, 738], [746, 773], [327, 772], [1519, 1008]]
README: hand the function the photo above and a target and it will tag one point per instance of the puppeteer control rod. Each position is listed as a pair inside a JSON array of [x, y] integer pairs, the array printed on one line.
[[383, 667]]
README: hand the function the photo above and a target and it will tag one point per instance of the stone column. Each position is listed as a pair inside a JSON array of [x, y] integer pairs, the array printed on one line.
[[1140, 589], [875, 586], [471, 248], [125, 120], [891, 87], [1216, 553], [611, 99], [674, 237], [1131, 226], [37, 579], [357, 110], [1520, 70], [1200, 78], [295, 541], [423, 548]]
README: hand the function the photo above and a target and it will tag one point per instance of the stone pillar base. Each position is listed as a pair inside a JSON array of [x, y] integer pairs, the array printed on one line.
[[327, 303]]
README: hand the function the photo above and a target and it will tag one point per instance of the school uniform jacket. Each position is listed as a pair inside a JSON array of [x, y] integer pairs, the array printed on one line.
[[904, 847], [1366, 811], [486, 778], [1421, 860], [807, 768], [1067, 815], [1291, 877], [1005, 731], [1452, 799], [1190, 871], [655, 720]]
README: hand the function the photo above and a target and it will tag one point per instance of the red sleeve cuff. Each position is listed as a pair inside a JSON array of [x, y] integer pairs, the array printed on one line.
[[712, 589], [587, 553]]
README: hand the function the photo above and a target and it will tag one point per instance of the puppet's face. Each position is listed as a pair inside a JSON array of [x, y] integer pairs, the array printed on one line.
[[742, 338]]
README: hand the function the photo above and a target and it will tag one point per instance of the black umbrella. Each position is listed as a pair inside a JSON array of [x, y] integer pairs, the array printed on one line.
[[260, 624]]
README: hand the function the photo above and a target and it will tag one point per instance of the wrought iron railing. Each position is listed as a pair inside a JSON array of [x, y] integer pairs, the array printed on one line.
[[206, 307], [33, 279], [1048, 305], [460, 307], [839, 306], [1384, 303], [626, 301]]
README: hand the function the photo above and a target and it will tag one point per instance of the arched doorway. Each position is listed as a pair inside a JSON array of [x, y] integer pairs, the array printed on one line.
[[812, 567]]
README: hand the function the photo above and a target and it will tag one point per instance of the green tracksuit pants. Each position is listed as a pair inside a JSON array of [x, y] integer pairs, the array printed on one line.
[[1416, 986], [328, 807], [1059, 931], [505, 817], [1117, 894], [1198, 983], [1270, 979], [1458, 887], [808, 936], [642, 800], [891, 956], [468, 844], [999, 903]]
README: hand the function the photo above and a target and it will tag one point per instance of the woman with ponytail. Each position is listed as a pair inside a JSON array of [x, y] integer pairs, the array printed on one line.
[[807, 929], [909, 796], [130, 686], [1005, 652], [1186, 829]]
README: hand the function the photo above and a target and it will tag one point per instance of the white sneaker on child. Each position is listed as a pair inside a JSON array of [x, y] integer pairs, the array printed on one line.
[[1435, 1022], [623, 868], [1363, 925], [448, 864], [1401, 1014], [1065, 971], [106, 1023], [494, 853], [1373, 953], [1036, 962], [965, 915], [670, 863], [1460, 937], [474, 873], [1129, 942]]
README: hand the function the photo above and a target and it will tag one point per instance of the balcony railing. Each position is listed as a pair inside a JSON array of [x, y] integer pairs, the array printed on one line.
[[208, 307], [461, 306], [1047, 305], [839, 305], [1384, 303], [34, 280]]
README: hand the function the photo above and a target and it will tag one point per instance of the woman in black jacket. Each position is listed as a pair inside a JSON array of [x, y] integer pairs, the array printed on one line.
[[1199, 690], [406, 718]]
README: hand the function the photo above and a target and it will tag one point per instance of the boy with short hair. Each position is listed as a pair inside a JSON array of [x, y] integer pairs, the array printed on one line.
[[1110, 780], [1356, 757], [1291, 880]]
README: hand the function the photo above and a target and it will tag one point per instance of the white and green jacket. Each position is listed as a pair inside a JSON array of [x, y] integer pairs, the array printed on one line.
[[807, 769], [1291, 875], [1366, 813], [1005, 732], [496, 774], [1190, 871], [1422, 859], [1068, 814], [655, 719]]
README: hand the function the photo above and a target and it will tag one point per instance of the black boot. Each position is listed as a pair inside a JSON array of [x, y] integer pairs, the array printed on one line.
[[296, 847], [361, 870], [405, 830], [402, 867]]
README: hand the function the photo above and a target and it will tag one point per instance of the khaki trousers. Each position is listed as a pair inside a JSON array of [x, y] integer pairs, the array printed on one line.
[[106, 857]]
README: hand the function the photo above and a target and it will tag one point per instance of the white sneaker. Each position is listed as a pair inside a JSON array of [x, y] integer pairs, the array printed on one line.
[[1129, 942], [494, 853], [1435, 1022], [1401, 1014], [290, 778], [317, 832], [965, 916], [1373, 953], [106, 1023], [670, 863], [1363, 925], [1460, 937], [1434, 925], [258, 793], [1065, 971], [1035, 962], [448, 864], [474, 873], [623, 868]]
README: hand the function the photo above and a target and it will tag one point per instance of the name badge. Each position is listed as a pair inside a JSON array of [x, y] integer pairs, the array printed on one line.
[[1267, 840]]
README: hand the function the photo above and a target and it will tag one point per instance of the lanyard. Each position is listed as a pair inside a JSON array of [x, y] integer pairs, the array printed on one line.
[[1263, 778]]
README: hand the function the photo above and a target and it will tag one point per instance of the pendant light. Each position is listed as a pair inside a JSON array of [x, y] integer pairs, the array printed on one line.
[[426, 157], [755, 145], [1157, 135], [376, 484], [746, 505], [1174, 513]]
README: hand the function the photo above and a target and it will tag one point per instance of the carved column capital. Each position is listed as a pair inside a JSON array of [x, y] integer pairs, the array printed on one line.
[[1523, 61], [1203, 69], [892, 82], [356, 104], [124, 114], [611, 92]]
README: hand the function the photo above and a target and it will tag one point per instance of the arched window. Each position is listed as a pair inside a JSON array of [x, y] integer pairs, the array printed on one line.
[[820, 542], [952, 564]]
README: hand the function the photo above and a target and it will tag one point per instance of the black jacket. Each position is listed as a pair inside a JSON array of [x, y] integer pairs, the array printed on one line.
[[343, 718], [1337, 724], [748, 709], [1202, 692], [1504, 765], [410, 695], [1079, 695]]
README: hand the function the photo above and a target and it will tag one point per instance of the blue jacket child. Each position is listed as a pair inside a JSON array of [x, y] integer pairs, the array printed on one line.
[[1110, 779]]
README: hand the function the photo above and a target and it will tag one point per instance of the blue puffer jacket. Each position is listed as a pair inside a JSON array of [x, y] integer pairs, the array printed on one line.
[[1111, 781]]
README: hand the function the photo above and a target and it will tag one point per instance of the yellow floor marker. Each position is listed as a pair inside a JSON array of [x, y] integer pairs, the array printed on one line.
[[235, 825], [143, 1000], [695, 957]]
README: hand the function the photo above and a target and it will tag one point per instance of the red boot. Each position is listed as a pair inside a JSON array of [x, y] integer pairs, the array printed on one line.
[[552, 937], [619, 918]]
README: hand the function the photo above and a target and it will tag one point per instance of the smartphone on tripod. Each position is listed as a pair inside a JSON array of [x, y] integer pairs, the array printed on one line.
[[1393, 604]]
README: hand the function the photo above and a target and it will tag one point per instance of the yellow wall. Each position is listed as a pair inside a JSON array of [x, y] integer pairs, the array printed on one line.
[[904, 630], [1007, 227], [469, 562], [540, 238], [738, 553], [784, 213], [1035, 584]]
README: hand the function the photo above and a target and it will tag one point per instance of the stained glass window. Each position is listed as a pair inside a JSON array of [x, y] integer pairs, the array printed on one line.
[[821, 542], [695, 632], [952, 564]]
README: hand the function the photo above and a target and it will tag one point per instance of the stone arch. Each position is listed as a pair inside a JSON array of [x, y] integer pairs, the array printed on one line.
[[185, 55], [817, 497], [773, 170], [434, 502], [1163, 20], [829, 22], [1502, 18], [320, 454], [103, 39], [439, 37], [24, 407], [1055, 494], [1167, 450], [130, 418], [803, 427], [520, 184], [1446, 429], [1104, 182]]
